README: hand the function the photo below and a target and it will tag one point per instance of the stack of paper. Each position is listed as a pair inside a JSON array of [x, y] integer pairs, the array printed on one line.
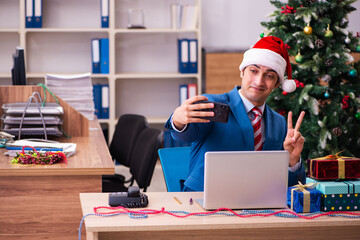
[[76, 90]]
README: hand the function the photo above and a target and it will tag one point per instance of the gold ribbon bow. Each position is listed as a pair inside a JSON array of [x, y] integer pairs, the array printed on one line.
[[340, 160], [302, 188]]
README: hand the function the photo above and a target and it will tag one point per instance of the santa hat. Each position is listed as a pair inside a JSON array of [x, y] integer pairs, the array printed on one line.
[[271, 52]]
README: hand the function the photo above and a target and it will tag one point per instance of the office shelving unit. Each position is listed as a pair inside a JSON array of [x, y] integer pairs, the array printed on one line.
[[143, 77]]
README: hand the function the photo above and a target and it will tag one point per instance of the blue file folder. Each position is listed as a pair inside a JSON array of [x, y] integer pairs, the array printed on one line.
[[105, 101], [183, 93], [104, 13], [104, 55], [183, 55], [193, 56], [37, 23], [29, 13], [97, 100], [95, 55]]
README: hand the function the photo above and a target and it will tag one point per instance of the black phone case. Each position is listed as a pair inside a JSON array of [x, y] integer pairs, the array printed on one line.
[[221, 111]]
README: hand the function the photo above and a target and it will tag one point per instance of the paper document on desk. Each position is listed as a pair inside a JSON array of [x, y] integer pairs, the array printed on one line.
[[68, 148]]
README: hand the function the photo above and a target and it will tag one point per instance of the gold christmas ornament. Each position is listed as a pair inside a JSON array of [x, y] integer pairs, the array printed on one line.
[[308, 30], [328, 32]]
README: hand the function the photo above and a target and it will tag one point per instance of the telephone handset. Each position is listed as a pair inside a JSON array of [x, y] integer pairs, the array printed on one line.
[[130, 199]]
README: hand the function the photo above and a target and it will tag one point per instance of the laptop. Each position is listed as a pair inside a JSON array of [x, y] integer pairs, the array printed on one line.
[[245, 180]]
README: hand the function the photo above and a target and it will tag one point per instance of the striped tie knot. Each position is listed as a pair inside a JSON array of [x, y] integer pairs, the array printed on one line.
[[256, 123], [257, 112]]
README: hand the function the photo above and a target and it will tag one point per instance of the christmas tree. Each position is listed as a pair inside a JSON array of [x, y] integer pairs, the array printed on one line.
[[328, 85]]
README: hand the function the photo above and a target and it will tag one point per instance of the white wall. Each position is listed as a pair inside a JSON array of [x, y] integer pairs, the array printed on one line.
[[234, 25]]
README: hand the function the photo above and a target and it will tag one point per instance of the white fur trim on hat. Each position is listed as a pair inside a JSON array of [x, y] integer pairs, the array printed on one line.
[[266, 58]]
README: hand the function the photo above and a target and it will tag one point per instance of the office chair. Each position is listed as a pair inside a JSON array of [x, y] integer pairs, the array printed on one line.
[[142, 163], [145, 156], [175, 165], [127, 131]]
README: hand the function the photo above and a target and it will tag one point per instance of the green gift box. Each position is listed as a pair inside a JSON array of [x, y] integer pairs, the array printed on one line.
[[340, 202], [356, 185], [336, 187], [338, 195]]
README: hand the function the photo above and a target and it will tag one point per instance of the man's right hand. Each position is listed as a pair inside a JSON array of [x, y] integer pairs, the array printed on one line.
[[187, 112]]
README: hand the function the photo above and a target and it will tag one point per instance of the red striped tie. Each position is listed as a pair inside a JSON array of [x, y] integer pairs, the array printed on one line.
[[256, 122]]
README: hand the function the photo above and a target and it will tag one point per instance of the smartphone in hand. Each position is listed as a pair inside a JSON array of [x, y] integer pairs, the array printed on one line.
[[221, 111]]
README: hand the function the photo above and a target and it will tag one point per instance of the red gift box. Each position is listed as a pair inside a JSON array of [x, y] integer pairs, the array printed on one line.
[[334, 167]]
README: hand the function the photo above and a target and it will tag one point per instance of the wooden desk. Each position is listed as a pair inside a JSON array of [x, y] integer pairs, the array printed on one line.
[[42, 202], [210, 227]]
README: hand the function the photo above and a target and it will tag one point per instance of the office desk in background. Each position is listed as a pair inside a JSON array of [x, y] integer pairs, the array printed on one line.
[[164, 226], [42, 202]]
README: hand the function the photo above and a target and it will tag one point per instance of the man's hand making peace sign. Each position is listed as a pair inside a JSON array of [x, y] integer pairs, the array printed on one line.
[[294, 141]]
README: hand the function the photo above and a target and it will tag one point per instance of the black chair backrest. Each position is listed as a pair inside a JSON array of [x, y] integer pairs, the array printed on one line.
[[144, 158], [127, 131]]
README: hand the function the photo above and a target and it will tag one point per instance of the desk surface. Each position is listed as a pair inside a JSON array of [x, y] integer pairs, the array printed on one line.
[[91, 158], [165, 222], [42, 202]]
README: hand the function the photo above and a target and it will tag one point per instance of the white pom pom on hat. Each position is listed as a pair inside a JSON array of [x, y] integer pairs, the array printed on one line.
[[271, 52], [288, 85]]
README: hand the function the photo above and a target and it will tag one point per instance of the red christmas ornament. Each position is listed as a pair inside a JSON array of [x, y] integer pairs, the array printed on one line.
[[345, 102], [284, 93]]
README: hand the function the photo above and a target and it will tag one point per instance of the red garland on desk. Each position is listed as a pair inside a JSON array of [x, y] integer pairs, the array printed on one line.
[[144, 212], [37, 158]]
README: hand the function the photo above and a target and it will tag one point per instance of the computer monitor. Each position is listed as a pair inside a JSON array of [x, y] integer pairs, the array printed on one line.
[[18, 72]]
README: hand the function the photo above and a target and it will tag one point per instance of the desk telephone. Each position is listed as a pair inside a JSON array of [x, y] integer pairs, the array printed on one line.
[[130, 199]]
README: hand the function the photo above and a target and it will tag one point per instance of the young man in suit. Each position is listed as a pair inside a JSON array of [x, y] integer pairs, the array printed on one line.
[[252, 125]]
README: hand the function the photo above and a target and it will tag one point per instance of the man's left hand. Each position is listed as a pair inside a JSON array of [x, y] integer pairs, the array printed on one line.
[[294, 141]]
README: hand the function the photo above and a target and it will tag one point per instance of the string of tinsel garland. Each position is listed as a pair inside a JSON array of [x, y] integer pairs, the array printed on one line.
[[35, 157], [105, 211], [143, 213]]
